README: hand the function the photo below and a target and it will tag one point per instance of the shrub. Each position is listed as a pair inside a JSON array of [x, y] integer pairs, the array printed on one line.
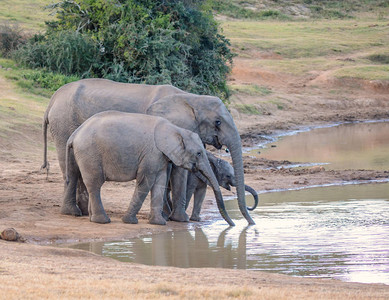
[[66, 52], [11, 37], [155, 42], [40, 81]]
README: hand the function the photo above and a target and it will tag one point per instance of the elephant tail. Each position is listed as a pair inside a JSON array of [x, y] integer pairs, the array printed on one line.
[[69, 145], [46, 164]]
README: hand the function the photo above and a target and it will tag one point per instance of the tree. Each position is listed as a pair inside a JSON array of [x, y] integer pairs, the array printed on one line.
[[154, 42]]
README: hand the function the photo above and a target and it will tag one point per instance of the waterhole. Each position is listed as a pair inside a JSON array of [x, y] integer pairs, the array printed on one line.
[[334, 232], [346, 146], [337, 232]]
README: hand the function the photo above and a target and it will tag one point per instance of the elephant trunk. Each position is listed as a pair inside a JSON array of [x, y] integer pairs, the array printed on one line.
[[218, 195], [255, 196], [237, 163]]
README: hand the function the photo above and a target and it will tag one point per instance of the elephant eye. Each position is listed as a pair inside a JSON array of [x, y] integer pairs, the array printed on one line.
[[218, 123], [198, 154]]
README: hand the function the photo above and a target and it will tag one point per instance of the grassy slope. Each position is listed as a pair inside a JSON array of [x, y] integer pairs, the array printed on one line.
[[29, 14], [20, 110], [308, 45], [292, 9]]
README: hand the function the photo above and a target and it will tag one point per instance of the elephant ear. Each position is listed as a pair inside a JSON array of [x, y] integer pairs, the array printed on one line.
[[169, 141], [175, 109]]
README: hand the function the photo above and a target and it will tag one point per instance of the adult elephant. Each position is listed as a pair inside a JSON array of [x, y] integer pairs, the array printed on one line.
[[75, 102]]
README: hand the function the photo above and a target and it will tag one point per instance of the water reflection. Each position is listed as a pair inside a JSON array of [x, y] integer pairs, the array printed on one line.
[[347, 146], [337, 232]]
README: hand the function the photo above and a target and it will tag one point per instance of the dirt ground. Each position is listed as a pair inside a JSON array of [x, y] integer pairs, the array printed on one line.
[[30, 203]]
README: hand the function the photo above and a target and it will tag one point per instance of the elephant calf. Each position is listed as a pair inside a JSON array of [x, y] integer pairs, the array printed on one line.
[[197, 187], [118, 146]]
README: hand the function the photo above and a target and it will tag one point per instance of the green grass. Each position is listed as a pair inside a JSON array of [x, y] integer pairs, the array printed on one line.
[[29, 14], [38, 82], [321, 45], [249, 109], [364, 72], [305, 38], [250, 89], [297, 9]]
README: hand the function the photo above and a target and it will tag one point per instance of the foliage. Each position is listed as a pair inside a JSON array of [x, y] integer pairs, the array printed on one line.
[[38, 81], [11, 37], [153, 42], [66, 52]]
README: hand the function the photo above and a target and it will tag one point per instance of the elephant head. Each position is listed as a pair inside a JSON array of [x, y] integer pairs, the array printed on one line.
[[185, 149], [210, 119], [225, 176]]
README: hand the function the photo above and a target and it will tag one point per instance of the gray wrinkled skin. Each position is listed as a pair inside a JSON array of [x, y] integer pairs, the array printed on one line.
[[111, 146], [207, 116], [197, 185]]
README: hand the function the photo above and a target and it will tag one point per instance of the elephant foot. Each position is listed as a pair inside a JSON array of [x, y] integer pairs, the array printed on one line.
[[179, 216], [83, 205], [82, 202], [71, 210], [130, 219], [101, 218], [195, 218], [157, 219], [165, 216]]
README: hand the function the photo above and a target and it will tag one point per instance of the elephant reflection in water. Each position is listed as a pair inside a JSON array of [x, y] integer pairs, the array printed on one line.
[[191, 249]]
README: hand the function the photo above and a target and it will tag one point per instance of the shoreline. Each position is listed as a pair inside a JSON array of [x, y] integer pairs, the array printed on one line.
[[30, 203]]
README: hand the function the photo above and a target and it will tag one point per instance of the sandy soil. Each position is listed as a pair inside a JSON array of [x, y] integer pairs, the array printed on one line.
[[30, 203]]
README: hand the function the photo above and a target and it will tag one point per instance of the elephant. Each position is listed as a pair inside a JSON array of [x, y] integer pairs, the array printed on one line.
[[111, 146], [75, 102], [197, 185]]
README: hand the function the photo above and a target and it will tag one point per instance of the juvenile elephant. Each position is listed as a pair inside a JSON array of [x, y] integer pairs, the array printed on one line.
[[111, 146], [207, 116], [225, 176]]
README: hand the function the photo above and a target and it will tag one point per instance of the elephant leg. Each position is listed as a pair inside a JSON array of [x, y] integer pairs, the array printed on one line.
[[142, 188], [198, 199], [82, 197], [69, 206], [167, 202], [178, 185], [97, 213], [157, 200], [94, 179], [192, 183]]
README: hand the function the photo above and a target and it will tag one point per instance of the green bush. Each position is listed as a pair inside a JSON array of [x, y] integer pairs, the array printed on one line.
[[66, 52], [39, 82], [11, 37], [154, 42]]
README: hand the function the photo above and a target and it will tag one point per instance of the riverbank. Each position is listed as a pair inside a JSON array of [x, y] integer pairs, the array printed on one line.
[[36, 268]]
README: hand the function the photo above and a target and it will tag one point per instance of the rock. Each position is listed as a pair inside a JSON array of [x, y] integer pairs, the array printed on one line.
[[316, 169], [10, 234]]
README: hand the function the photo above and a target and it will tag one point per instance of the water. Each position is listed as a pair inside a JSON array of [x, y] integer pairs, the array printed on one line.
[[328, 232], [347, 146], [337, 232]]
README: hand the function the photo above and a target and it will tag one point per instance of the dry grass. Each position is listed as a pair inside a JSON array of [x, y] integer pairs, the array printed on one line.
[[43, 272]]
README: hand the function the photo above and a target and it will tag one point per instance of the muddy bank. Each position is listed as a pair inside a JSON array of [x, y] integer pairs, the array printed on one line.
[[30, 203]]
